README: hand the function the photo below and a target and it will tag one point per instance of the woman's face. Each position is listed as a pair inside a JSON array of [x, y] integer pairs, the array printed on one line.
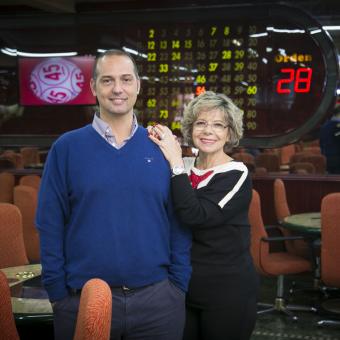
[[210, 131]]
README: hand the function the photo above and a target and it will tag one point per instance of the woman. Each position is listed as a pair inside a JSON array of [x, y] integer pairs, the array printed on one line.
[[213, 201]]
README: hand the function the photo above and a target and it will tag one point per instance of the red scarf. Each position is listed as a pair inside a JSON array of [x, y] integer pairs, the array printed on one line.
[[196, 179]]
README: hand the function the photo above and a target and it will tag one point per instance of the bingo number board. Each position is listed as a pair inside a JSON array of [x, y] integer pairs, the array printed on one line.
[[276, 63]]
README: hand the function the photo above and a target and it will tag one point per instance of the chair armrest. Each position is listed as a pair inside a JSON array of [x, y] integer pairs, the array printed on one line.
[[281, 238]]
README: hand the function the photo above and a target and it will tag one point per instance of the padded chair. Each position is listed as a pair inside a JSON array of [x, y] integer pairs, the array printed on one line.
[[6, 163], [12, 246], [31, 180], [30, 155], [330, 253], [319, 162], [270, 161], [276, 264], [286, 152], [246, 158], [8, 329], [7, 181], [95, 311], [26, 199], [302, 168], [297, 247]]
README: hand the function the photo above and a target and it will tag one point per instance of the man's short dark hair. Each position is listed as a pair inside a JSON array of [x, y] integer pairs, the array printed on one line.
[[113, 52]]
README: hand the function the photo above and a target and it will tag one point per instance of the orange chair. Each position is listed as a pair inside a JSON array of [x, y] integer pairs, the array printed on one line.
[[30, 155], [31, 180], [245, 157], [297, 247], [7, 181], [95, 311], [12, 247], [330, 252], [319, 162], [26, 199], [276, 264], [8, 329], [302, 168], [286, 152], [270, 161], [298, 156]]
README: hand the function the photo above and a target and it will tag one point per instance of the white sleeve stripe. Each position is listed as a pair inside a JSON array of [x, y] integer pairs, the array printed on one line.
[[235, 189]]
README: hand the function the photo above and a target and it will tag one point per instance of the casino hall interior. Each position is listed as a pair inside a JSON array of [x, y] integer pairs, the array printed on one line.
[[170, 169]]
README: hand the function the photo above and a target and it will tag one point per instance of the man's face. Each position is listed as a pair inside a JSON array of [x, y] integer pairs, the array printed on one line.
[[116, 86]]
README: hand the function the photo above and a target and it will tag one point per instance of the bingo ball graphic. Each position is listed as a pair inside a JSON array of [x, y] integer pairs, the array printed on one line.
[[56, 81]]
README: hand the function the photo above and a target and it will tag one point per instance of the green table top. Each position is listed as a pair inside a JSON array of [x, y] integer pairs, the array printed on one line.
[[307, 222]]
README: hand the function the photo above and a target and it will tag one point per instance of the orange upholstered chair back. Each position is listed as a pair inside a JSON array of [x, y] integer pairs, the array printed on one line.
[[95, 309], [319, 162], [12, 247], [8, 329], [270, 161], [280, 200], [26, 198], [7, 181], [330, 240], [302, 167], [31, 181], [257, 247], [30, 155]]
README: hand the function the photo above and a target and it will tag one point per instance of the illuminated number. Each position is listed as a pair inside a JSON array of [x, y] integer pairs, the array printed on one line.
[[163, 56], [226, 30], [212, 43], [200, 43], [176, 125], [151, 33], [226, 54], [188, 43], [151, 123], [239, 54], [213, 67], [252, 90], [290, 72], [238, 66], [175, 44], [152, 56], [51, 72], [213, 30], [200, 79], [199, 90], [164, 114], [251, 114], [252, 78], [151, 102], [163, 91], [163, 68], [151, 91], [251, 125], [212, 78], [213, 55], [305, 81], [226, 66], [163, 44], [175, 56], [151, 45]]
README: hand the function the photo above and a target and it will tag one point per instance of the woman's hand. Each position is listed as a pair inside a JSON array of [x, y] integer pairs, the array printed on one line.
[[168, 143]]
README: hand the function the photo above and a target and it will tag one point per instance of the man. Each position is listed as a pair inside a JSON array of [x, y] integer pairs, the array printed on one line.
[[330, 142], [104, 211]]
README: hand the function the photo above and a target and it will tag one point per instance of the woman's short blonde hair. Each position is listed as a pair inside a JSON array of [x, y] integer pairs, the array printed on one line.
[[208, 101]]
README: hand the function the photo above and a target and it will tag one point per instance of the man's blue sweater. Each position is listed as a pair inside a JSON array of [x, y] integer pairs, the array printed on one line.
[[107, 213]]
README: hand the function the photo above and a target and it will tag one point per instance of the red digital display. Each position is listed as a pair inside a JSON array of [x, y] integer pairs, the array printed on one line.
[[300, 79], [56, 81]]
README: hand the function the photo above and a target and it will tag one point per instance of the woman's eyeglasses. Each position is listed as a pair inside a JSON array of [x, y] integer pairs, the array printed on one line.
[[215, 126]]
